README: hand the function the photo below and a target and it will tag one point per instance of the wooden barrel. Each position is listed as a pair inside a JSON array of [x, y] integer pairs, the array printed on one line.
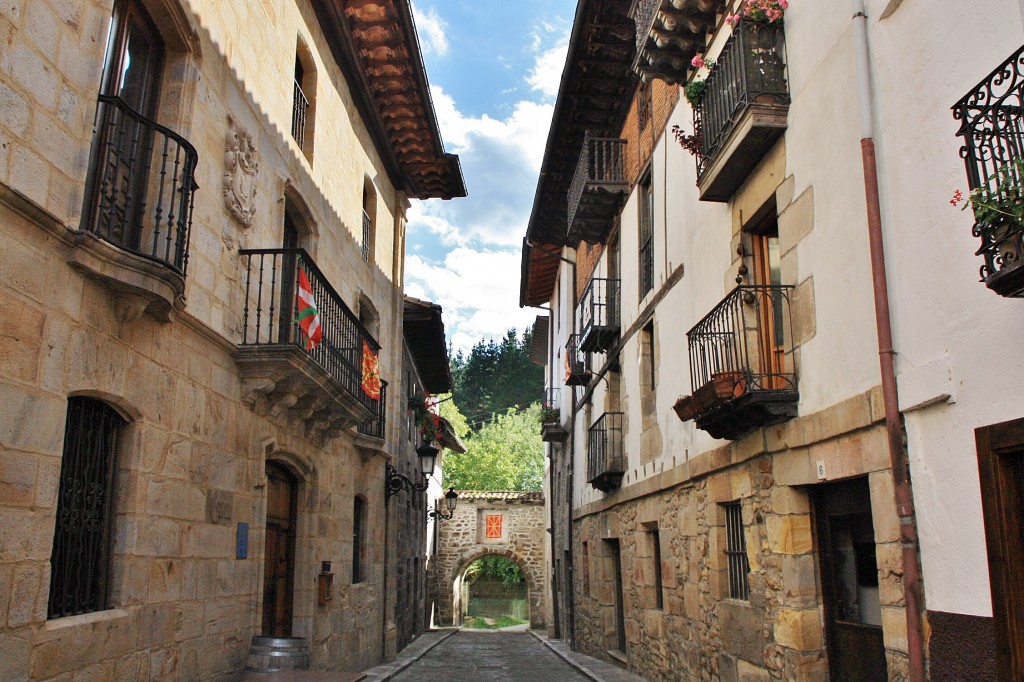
[[268, 654]]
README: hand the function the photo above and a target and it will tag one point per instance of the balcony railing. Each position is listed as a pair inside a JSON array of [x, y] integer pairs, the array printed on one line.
[[606, 462], [365, 246], [743, 109], [300, 105], [577, 373], [742, 368], [551, 430], [598, 188], [374, 428], [269, 320], [599, 315], [992, 127], [142, 179]]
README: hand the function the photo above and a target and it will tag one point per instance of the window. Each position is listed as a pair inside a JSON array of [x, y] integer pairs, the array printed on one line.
[[358, 540], [648, 375], [736, 552], [646, 236], [83, 534], [304, 99], [369, 211], [655, 543]]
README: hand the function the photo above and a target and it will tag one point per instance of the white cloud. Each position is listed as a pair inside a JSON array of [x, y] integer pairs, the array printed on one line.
[[546, 74], [465, 254], [478, 290], [432, 30]]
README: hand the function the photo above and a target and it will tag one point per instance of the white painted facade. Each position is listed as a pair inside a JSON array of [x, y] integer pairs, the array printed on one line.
[[957, 343]]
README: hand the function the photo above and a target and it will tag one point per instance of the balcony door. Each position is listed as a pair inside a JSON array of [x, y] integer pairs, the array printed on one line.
[[289, 276], [122, 146], [771, 336]]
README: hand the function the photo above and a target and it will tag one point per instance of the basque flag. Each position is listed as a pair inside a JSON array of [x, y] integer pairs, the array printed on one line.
[[308, 316]]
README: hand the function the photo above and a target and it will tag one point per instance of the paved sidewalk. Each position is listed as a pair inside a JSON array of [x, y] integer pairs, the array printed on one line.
[[593, 668], [409, 655]]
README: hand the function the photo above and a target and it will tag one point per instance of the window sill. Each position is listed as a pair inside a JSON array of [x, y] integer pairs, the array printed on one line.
[[618, 656], [58, 626]]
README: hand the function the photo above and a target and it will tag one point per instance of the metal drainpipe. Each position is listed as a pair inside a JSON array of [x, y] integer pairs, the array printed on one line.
[[897, 459]]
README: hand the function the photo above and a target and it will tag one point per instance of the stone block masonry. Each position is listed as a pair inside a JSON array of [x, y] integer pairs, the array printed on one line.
[[508, 524]]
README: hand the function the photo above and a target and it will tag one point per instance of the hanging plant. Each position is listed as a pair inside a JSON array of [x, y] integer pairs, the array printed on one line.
[[427, 421], [694, 92], [760, 11], [691, 143]]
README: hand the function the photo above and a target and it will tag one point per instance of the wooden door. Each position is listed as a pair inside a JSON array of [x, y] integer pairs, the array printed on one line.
[[1001, 469], [849, 581], [279, 557], [771, 328], [620, 610]]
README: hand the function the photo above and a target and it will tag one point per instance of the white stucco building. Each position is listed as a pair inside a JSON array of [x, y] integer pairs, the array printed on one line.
[[729, 473]]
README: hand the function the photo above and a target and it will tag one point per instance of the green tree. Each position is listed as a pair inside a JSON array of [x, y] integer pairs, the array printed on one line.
[[506, 453], [495, 568], [495, 376]]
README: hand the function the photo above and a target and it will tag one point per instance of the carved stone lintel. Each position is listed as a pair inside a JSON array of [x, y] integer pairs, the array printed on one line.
[[241, 172]]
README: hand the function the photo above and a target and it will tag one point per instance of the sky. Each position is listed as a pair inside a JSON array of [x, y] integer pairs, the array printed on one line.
[[494, 70]]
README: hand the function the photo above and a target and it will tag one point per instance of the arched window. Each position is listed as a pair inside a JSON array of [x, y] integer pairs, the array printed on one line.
[[83, 535]]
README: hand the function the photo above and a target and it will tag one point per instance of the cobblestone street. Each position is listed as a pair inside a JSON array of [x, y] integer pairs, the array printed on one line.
[[490, 656]]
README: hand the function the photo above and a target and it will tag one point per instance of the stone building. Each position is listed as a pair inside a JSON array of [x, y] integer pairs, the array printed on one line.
[[203, 209], [740, 393], [490, 523]]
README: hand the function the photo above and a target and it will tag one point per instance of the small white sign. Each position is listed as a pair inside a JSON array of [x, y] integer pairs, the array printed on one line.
[[821, 470]]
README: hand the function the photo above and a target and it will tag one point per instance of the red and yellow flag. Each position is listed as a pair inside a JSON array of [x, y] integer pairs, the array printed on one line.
[[371, 377], [308, 316]]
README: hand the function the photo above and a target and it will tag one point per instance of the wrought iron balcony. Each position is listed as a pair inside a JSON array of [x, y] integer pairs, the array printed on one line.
[[669, 33], [321, 386], [606, 462], [991, 119], [742, 367], [743, 109], [139, 199], [598, 189], [551, 430], [577, 373], [599, 315], [374, 427]]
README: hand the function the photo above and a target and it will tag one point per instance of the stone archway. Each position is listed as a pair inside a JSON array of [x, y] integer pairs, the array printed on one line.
[[507, 524], [535, 595]]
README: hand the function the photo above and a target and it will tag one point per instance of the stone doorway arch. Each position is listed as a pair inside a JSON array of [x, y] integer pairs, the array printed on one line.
[[492, 523]]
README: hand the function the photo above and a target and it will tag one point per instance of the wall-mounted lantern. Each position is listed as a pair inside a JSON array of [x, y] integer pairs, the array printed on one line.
[[396, 482], [451, 498]]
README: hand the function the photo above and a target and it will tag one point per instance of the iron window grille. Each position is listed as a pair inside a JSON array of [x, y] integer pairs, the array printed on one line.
[[991, 119], [80, 560], [736, 552], [300, 106], [366, 237], [358, 539]]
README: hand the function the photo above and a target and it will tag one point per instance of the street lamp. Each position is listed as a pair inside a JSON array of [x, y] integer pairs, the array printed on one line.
[[451, 498], [395, 482]]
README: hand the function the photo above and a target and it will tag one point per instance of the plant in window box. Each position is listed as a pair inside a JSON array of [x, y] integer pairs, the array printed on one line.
[[550, 415], [998, 206], [760, 11]]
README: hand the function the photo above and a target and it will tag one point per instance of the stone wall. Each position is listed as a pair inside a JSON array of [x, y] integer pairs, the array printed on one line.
[[190, 464], [463, 539]]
